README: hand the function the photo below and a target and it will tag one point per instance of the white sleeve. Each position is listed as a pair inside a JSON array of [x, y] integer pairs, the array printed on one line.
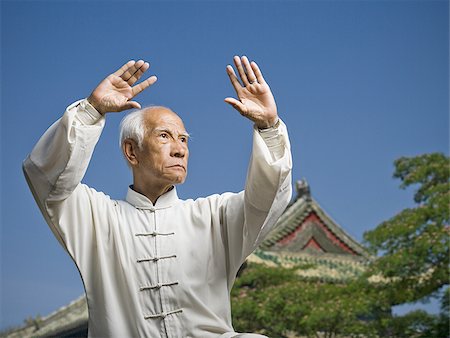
[[249, 216], [273, 139], [54, 170], [60, 158]]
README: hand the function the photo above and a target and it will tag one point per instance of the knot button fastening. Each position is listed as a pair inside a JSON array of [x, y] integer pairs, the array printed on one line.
[[163, 314]]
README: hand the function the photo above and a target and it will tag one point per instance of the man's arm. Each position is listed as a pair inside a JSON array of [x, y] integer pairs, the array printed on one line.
[[57, 164], [270, 142], [61, 156], [251, 215]]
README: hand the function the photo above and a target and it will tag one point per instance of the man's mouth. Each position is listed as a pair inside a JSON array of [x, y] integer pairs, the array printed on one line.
[[178, 166]]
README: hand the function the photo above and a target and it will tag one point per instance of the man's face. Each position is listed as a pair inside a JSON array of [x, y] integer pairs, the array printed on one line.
[[164, 155]]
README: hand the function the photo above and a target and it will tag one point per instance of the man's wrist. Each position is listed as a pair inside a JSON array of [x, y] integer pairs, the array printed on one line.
[[87, 113], [94, 104], [269, 126]]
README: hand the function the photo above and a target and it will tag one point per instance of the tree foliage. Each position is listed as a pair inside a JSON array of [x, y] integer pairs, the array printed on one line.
[[414, 244], [277, 302], [418, 323]]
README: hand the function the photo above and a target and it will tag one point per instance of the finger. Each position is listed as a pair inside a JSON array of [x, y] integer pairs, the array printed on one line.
[[238, 105], [248, 70], [131, 105], [143, 85], [234, 80], [257, 72], [136, 76], [243, 76], [123, 69], [132, 70]]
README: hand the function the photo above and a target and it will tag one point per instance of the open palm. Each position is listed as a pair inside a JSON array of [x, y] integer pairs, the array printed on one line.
[[255, 100], [115, 92]]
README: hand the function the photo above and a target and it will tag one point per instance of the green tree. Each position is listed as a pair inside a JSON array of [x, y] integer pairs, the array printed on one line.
[[417, 324], [442, 326], [414, 244], [278, 302]]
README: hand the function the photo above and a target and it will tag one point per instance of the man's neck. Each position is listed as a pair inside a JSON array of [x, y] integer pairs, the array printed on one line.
[[150, 191]]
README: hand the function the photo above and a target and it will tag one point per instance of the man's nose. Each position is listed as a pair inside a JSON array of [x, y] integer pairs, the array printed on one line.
[[179, 149]]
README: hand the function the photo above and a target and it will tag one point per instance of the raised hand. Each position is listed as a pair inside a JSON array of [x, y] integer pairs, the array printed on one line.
[[115, 92], [255, 99]]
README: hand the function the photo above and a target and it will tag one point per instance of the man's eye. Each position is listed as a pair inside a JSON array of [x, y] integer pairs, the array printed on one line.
[[183, 139], [163, 135]]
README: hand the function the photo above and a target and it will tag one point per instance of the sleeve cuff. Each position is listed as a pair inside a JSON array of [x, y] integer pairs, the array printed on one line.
[[87, 114], [274, 139]]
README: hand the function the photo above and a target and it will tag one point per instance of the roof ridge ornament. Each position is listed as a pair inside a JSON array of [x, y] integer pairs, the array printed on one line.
[[303, 189]]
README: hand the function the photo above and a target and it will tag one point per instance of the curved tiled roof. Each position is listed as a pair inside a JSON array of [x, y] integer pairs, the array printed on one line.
[[306, 213], [68, 321], [325, 268]]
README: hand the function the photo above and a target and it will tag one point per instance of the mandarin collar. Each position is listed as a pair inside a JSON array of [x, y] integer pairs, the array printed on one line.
[[140, 201]]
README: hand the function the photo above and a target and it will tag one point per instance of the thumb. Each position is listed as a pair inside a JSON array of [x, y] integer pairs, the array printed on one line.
[[236, 104], [131, 105]]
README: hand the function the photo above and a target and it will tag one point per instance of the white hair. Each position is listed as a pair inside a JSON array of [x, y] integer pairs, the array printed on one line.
[[132, 126]]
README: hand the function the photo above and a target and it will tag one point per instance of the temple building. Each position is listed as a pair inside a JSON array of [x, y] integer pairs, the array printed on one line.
[[304, 235]]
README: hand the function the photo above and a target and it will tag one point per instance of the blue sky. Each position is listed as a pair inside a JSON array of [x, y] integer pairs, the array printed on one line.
[[358, 83]]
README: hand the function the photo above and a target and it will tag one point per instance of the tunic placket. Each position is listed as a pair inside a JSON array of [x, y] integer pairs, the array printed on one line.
[[146, 269], [167, 273], [161, 259]]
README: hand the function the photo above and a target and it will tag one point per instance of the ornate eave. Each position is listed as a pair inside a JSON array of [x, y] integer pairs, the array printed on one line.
[[68, 321], [306, 228], [325, 268]]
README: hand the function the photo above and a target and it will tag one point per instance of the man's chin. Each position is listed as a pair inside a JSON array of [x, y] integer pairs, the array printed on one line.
[[179, 180]]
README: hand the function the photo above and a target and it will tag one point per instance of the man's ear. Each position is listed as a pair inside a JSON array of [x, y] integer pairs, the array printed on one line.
[[130, 149]]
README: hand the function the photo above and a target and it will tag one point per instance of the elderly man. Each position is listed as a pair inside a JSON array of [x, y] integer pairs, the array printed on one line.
[[154, 265]]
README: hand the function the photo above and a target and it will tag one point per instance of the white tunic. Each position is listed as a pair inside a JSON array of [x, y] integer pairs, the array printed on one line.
[[163, 270]]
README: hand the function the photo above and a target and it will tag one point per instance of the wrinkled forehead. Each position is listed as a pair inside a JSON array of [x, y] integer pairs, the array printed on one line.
[[157, 118]]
